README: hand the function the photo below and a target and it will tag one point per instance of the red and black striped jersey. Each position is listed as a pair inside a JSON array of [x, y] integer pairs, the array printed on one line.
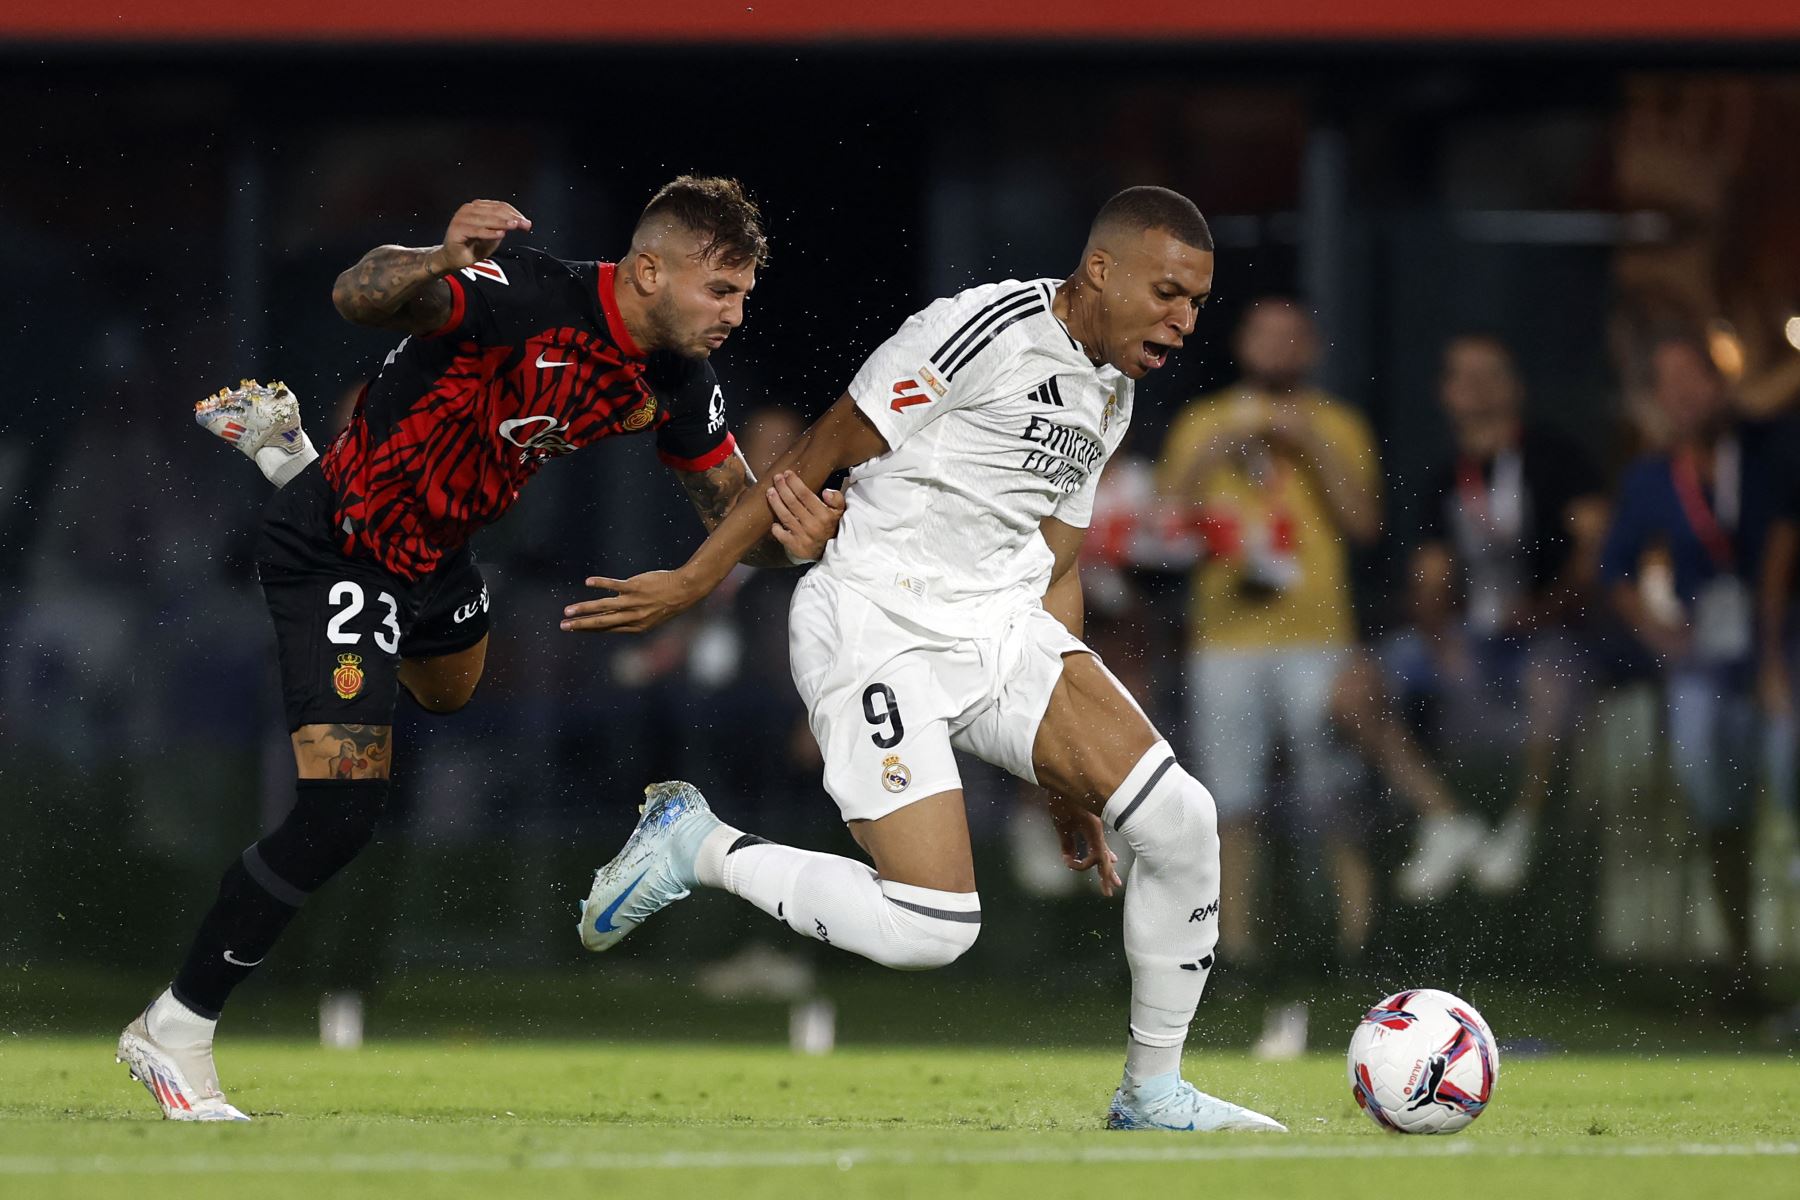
[[533, 362]]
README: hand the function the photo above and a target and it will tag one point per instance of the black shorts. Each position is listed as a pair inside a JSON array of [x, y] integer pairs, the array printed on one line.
[[343, 624]]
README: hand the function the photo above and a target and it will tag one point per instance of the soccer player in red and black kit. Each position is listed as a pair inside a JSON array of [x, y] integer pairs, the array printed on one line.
[[511, 358]]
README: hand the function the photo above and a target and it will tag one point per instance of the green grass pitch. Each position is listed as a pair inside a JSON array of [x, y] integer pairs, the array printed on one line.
[[552, 1119]]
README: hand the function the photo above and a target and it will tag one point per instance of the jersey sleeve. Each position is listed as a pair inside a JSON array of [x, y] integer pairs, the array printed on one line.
[[490, 299], [935, 363], [694, 437]]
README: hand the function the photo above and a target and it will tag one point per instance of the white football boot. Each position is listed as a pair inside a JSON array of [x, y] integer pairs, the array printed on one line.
[[1169, 1102], [655, 869], [176, 1070], [263, 421]]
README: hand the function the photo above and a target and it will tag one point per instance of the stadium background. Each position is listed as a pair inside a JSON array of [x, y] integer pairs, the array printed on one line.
[[182, 187]]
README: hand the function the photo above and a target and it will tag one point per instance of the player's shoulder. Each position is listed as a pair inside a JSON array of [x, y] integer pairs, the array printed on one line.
[[527, 268], [993, 322]]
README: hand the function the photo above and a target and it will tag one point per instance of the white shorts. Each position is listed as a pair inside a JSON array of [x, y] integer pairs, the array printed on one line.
[[889, 700]]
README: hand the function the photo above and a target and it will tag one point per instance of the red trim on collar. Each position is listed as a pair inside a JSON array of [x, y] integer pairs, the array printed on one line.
[[610, 307], [705, 462]]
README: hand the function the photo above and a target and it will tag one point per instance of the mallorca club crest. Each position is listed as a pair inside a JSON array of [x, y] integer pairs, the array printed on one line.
[[639, 417], [348, 678], [894, 775]]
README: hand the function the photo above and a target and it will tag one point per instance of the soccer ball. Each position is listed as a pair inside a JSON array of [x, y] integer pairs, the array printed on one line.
[[1423, 1062]]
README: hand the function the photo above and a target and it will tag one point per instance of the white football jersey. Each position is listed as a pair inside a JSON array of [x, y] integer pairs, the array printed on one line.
[[995, 419]]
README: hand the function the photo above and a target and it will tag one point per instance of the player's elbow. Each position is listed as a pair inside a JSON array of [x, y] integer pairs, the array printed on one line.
[[346, 299]]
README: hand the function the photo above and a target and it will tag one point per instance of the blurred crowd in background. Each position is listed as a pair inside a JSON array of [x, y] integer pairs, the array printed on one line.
[[1457, 554]]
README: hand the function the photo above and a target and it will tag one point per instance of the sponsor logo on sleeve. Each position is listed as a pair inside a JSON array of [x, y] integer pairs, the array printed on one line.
[[487, 268], [715, 410], [906, 394]]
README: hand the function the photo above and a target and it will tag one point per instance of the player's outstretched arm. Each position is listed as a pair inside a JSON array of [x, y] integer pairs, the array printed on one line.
[[804, 521], [841, 438], [403, 288]]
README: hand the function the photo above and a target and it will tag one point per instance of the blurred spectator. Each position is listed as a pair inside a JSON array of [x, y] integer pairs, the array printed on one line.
[[1681, 560], [1289, 481], [1511, 531]]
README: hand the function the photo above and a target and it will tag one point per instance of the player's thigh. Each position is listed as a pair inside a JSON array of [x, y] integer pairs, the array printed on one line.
[[337, 637], [925, 844], [1229, 693], [343, 751], [1091, 735], [445, 648], [878, 698], [446, 682]]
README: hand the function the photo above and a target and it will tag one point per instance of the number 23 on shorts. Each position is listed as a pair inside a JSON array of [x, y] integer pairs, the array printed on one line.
[[348, 598]]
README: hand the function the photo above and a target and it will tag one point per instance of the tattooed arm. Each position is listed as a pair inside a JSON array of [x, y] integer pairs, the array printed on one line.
[[805, 522], [343, 751], [397, 287]]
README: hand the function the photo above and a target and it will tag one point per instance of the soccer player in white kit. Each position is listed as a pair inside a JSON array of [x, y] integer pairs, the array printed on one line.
[[947, 614]]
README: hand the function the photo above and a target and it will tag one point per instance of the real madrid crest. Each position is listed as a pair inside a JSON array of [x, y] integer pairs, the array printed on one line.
[[637, 418], [348, 678], [894, 775]]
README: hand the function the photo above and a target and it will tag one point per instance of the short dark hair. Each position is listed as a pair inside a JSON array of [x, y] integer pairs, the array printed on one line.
[[717, 209], [1139, 208]]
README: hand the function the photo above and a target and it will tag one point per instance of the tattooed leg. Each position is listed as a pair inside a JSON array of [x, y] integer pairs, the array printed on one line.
[[343, 751]]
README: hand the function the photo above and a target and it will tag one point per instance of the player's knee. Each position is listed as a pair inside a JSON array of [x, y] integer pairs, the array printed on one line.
[[439, 692], [1164, 814], [927, 928], [442, 701], [330, 823]]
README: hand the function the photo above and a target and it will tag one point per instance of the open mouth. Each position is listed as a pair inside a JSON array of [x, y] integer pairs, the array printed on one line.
[[1156, 354]]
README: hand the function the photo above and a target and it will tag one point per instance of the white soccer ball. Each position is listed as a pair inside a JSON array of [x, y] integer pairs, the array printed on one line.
[[1423, 1062]]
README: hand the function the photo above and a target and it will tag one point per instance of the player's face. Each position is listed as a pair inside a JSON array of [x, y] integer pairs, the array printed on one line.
[[1151, 289], [699, 303]]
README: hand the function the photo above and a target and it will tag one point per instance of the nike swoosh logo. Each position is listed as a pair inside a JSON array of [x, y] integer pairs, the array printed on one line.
[[235, 961], [545, 364], [603, 922]]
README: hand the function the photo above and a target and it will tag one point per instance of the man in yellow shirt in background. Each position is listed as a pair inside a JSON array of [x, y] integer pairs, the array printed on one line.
[[1288, 481]]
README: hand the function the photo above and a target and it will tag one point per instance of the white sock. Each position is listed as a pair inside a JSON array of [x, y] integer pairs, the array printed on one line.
[[279, 466], [1171, 904], [172, 1023], [842, 902]]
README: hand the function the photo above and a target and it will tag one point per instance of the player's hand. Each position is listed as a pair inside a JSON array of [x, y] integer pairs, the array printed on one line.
[[1083, 837], [477, 230], [803, 522], [637, 604]]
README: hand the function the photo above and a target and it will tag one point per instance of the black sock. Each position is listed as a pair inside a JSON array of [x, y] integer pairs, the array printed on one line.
[[330, 823], [235, 934]]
